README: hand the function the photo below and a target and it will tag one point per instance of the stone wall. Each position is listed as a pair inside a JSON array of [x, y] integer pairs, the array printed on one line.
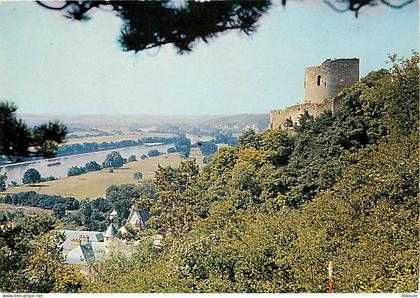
[[279, 118], [322, 85]]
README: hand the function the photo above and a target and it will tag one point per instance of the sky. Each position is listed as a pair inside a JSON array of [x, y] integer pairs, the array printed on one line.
[[51, 65]]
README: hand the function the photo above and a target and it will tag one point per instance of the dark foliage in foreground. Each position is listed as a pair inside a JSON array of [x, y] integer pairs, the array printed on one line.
[[18, 141], [152, 24]]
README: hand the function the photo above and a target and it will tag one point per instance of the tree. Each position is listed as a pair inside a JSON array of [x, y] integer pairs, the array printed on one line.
[[152, 24], [279, 144], [92, 166], [14, 133], [249, 139], [16, 138], [46, 137], [183, 145], [177, 203], [93, 215], [58, 211], [31, 259], [225, 138], [31, 176], [113, 160], [3, 179], [208, 148]]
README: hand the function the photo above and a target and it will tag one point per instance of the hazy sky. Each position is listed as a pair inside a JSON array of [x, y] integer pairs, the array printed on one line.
[[49, 64]]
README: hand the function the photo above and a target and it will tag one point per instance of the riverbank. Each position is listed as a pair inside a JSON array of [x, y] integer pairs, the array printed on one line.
[[94, 184], [63, 164]]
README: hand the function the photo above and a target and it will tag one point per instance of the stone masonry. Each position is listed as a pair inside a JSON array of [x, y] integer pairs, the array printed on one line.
[[321, 85]]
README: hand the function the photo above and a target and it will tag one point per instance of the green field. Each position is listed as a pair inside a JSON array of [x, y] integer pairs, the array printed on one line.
[[94, 184]]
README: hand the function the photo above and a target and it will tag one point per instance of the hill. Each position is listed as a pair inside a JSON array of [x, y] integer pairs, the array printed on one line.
[[135, 123]]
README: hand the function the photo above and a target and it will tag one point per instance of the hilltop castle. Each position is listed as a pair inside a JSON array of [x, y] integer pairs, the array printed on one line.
[[321, 84]]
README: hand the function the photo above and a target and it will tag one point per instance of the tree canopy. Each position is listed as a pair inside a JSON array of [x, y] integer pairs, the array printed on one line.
[[269, 214], [114, 160], [18, 141], [31, 176], [152, 24], [31, 259]]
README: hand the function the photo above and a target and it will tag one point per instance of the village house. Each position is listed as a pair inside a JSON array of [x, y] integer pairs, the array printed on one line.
[[86, 247]]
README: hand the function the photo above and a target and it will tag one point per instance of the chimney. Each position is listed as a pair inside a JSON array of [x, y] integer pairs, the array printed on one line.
[[84, 239], [137, 225], [75, 242]]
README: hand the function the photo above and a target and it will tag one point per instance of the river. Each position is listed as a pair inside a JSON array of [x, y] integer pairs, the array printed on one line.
[[15, 171]]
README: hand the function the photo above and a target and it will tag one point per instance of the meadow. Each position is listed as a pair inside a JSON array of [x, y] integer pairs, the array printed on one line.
[[94, 184]]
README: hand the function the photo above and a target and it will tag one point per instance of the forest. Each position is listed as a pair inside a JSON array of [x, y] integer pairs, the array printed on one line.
[[268, 214]]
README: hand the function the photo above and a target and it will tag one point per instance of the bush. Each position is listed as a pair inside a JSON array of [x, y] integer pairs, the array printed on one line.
[[132, 158], [138, 176], [48, 178], [171, 150], [92, 166], [153, 153], [75, 171]]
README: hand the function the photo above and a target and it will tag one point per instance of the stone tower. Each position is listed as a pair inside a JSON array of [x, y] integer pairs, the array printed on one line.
[[327, 80], [109, 236], [321, 86]]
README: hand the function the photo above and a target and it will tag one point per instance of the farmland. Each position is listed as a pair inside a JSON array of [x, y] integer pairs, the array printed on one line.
[[94, 184]]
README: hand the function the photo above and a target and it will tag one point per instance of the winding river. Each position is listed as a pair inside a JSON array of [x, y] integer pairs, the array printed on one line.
[[59, 166]]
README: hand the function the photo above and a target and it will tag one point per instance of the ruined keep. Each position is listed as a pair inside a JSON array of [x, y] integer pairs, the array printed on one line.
[[321, 84]]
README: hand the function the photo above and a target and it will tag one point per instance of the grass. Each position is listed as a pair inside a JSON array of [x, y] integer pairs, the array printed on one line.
[[94, 184]]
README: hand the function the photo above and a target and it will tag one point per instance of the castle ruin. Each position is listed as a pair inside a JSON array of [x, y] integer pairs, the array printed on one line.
[[321, 85]]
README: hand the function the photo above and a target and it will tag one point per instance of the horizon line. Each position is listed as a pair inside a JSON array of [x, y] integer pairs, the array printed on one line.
[[149, 115]]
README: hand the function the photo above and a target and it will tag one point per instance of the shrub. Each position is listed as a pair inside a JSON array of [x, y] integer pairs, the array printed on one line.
[[153, 153], [75, 171], [138, 176]]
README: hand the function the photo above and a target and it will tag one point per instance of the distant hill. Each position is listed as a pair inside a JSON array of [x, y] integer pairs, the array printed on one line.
[[239, 122], [152, 122]]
